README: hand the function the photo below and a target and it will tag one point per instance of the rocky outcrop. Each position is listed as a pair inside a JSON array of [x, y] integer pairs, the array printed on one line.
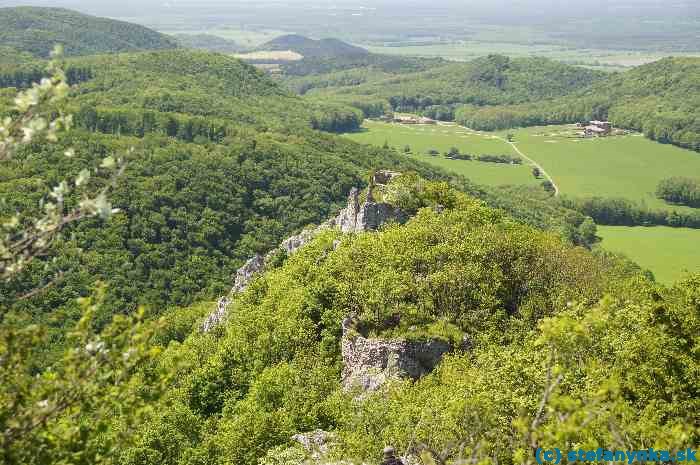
[[368, 216], [295, 243], [246, 273], [369, 363], [217, 316], [384, 176], [315, 443], [354, 218]]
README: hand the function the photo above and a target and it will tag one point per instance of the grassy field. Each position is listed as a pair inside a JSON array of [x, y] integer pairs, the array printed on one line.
[[422, 138], [668, 252], [620, 166]]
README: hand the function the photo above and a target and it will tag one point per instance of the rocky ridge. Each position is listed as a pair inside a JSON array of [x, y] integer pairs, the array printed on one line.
[[354, 218]]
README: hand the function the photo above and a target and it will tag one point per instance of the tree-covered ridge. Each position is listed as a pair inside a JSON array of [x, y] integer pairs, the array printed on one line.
[[11, 56], [134, 93], [37, 30], [492, 80], [244, 149], [539, 317], [323, 48], [659, 99]]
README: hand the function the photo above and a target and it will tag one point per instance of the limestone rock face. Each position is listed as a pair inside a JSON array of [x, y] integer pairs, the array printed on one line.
[[354, 218], [369, 363], [295, 243], [385, 176], [246, 273], [368, 216], [217, 316], [347, 218]]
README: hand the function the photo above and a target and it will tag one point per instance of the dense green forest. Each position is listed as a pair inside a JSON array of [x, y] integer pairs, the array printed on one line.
[[659, 99], [173, 91], [684, 191], [38, 30], [492, 80], [541, 320]]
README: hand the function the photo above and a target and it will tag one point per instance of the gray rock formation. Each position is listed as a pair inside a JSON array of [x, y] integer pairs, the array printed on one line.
[[217, 316], [247, 272], [369, 363], [385, 176], [354, 218], [369, 216], [315, 443], [295, 243]]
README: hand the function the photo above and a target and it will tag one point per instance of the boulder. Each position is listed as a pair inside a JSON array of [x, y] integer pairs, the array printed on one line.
[[370, 363]]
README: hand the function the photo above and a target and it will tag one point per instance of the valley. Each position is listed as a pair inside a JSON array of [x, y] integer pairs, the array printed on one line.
[[407, 233], [423, 138], [617, 167]]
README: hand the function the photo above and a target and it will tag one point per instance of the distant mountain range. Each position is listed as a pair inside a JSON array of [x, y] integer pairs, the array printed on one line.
[[37, 30]]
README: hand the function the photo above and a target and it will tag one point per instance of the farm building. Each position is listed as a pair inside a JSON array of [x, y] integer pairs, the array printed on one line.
[[597, 128], [410, 119]]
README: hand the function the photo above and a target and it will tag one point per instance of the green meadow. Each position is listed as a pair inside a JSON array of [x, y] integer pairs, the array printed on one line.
[[619, 166], [422, 138], [670, 253]]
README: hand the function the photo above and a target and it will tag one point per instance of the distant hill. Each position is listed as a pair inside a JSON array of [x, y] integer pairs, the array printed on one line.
[[208, 42], [310, 48], [441, 87], [36, 31], [660, 99]]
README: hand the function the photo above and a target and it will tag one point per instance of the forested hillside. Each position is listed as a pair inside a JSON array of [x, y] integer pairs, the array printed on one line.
[[473, 323], [37, 30], [437, 91], [172, 91], [225, 164], [323, 48], [660, 99], [538, 330], [495, 92], [208, 42]]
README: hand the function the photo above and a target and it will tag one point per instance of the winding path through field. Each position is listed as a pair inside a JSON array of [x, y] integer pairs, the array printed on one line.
[[533, 163], [518, 151]]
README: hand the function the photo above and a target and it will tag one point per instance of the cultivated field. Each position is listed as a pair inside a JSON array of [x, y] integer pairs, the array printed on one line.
[[668, 252], [422, 138], [619, 166]]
